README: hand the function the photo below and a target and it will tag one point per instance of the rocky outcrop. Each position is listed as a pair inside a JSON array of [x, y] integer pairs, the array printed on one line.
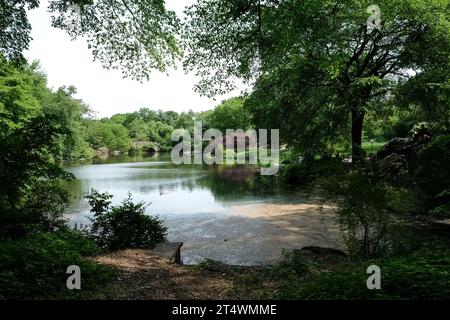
[[394, 168], [395, 159], [407, 147], [102, 153], [147, 147]]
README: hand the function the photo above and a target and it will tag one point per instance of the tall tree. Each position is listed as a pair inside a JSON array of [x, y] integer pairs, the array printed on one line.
[[30, 150], [320, 65], [231, 114]]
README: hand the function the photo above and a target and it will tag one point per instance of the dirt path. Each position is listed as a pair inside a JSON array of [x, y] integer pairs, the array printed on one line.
[[144, 276]]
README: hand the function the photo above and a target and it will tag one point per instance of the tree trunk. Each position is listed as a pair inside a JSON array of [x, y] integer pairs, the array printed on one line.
[[357, 127]]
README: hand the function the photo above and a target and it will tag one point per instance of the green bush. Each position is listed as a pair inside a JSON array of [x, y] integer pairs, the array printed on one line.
[[308, 171], [423, 274], [35, 266], [433, 173], [442, 204], [369, 211], [123, 226], [295, 174], [39, 210]]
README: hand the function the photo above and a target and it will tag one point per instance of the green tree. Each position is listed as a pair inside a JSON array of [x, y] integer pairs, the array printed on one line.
[[230, 114], [112, 136], [31, 196], [138, 130], [124, 226], [319, 67], [160, 133], [134, 36], [185, 120], [71, 112], [146, 115]]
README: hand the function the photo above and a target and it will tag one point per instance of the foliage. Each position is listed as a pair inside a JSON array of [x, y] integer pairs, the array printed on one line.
[[310, 170], [35, 266], [30, 176], [426, 97], [125, 225], [422, 274], [319, 69], [442, 205], [433, 173], [368, 211], [40, 209], [146, 125], [39, 128], [134, 36], [230, 114], [110, 135], [15, 28], [71, 113]]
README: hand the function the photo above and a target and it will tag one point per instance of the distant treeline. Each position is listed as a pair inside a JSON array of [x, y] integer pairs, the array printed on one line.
[[25, 96], [120, 132]]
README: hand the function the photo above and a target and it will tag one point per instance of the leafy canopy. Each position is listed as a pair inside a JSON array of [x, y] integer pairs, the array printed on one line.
[[134, 36], [319, 69]]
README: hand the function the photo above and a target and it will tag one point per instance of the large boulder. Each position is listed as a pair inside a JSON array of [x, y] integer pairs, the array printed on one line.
[[394, 160], [409, 147], [396, 146], [394, 168]]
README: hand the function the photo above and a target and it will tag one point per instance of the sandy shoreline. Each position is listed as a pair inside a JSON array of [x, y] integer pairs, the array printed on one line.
[[257, 234]]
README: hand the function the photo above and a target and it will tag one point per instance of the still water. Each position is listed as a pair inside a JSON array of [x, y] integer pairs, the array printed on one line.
[[226, 213]]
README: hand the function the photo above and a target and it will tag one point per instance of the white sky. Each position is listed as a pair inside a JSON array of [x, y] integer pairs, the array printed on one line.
[[69, 62]]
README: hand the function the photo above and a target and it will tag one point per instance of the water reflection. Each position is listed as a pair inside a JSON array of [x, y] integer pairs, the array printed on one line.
[[196, 202], [171, 189]]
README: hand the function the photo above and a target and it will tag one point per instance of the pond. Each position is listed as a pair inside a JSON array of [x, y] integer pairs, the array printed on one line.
[[225, 213]]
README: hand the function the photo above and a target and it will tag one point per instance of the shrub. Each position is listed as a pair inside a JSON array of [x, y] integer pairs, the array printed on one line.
[[295, 174], [40, 210], [35, 266], [308, 171], [368, 211], [433, 173], [422, 274], [123, 226], [442, 204]]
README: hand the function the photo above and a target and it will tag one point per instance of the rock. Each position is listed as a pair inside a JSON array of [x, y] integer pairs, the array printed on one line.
[[397, 146], [102, 153], [404, 146], [395, 158], [395, 169], [169, 250], [315, 251], [116, 153]]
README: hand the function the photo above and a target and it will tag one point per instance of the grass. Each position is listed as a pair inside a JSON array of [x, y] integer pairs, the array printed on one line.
[[34, 267], [366, 145], [373, 148], [422, 273]]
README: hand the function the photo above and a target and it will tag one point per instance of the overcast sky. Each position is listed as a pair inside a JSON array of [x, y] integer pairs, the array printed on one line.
[[69, 62]]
